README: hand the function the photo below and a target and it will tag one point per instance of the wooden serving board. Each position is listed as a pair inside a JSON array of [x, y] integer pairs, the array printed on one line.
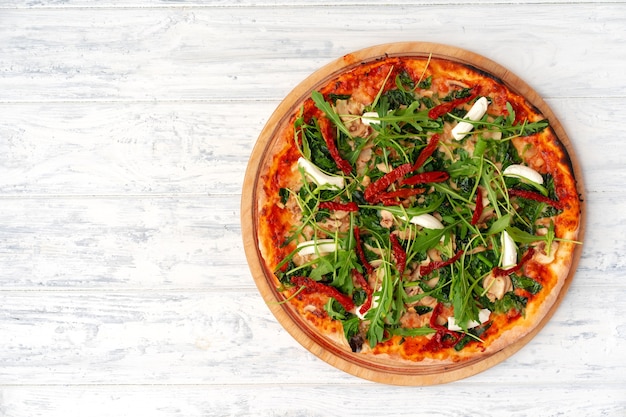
[[367, 367]]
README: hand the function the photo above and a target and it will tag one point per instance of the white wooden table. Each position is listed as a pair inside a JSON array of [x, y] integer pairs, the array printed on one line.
[[125, 130]]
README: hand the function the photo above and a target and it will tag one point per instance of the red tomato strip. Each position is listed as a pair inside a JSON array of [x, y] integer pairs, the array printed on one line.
[[326, 129], [398, 253], [427, 269], [427, 151], [359, 251], [499, 272], [437, 342], [448, 106], [360, 279], [426, 177], [374, 189], [311, 286], [389, 198], [478, 211], [531, 195], [331, 205]]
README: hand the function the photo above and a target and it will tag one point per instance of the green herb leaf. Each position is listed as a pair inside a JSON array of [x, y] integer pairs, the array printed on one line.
[[323, 105]]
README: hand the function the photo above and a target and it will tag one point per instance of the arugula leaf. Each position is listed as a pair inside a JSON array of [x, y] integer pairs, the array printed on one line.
[[526, 283], [410, 332], [500, 224], [425, 83], [321, 104]]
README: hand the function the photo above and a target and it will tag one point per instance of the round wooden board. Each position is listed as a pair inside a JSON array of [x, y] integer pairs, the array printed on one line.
[[367, 367]]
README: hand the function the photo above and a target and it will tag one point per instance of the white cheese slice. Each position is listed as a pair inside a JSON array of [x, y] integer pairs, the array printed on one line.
[[426, 220], [316, 175], [370, 118], [483, 316], [475, 113], [509, 250], [320, 246], [524, 172]]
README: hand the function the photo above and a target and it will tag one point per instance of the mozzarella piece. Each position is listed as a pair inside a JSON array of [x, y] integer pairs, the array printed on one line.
[[523, 171], [509, 250], [370, 118], [477, 111], [483, 317], [320, 246], [427, 220], [316, 175]]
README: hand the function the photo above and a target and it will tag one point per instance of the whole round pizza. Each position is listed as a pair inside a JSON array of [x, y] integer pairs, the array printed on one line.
[[412, 213]]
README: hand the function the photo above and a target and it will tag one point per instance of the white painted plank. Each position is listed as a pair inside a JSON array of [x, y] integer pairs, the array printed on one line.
[[244, 52], [112, 242], [127, 148], [192, 242], [121, 4], [279, 399], [203, 147], [229, 337]]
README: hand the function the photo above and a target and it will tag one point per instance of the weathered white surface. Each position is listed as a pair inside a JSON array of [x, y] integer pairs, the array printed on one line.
[[125, 129]]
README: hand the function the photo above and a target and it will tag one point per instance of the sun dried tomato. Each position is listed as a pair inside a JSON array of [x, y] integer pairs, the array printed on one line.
[[439, 341], [426, 177], [448, 106], [427, 151], [399, 253], [373, 190], [427, 269], [326, 129], [499, 272], [531, 195], [360, 279], [359, 251], [389, 198], [311, 286], [478, 210]]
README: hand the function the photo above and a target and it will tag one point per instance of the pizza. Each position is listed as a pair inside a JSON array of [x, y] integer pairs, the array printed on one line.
[[417, 209]]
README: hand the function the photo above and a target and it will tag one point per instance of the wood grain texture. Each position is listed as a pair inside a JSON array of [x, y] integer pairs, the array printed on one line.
[[229, 337], [304, 400], [220, 53], [125, 129]]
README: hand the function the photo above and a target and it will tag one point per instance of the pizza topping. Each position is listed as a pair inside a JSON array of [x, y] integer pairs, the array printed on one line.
[[483, 317], [426, 152], [313, 286], [531, 195], [474, 114], [478, 209], [318, 246], [331, 205], [326, 129], [430, 267], [426, 220], [359, 250], [509, 250], [426, 177], [398, 253], [370, 117], [447, 107], [372, 192], [362, 282], [523, 171], [316, 175], [499, 272]]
